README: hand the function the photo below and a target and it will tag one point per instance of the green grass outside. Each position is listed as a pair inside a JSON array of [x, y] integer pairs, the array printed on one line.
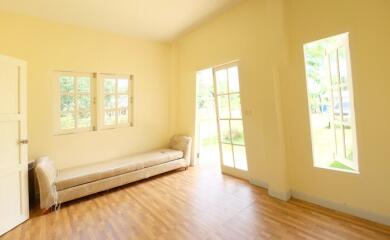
[[339, 165]]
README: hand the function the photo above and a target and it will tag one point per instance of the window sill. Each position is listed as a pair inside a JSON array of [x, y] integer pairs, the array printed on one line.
[[338, 169]]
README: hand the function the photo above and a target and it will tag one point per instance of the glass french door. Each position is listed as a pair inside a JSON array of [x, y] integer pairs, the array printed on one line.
[[230, 124]]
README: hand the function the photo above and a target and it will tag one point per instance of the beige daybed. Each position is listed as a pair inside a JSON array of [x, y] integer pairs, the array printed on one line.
[[56, 187]]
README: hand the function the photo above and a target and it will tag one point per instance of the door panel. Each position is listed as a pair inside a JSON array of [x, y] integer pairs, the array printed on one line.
[[9, 147], [231, 129], [9, 90], [13, 155]]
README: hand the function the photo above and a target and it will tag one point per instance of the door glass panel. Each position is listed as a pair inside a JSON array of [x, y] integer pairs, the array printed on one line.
[[235, 106], [222, 81], [234, 84], [227, 155], [240, 157], [223, 106], [225, 131], [237, 132]]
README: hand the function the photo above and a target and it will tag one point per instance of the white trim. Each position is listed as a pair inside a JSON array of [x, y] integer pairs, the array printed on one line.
[[284, 196], [342, 207], [258, 183]]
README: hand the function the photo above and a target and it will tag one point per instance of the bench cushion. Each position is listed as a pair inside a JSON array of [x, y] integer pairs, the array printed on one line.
[[80, 175]]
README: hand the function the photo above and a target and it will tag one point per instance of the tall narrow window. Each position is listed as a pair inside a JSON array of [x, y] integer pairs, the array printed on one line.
[[330, 96], [74, 111], [228, 105], [115, 101]]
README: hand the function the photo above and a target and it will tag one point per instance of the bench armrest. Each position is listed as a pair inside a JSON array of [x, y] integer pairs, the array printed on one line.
[[46, 175], [182, 143]]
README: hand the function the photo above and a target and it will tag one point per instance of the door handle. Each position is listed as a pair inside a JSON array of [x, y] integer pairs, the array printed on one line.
[[24, 141]]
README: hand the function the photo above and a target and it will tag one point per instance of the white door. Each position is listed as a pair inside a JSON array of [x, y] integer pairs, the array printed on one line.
[[13, 144], [230, 122]]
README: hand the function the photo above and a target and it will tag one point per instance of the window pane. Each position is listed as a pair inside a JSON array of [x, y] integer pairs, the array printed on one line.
[[84, 119], [109, 117], [67, 103], [322, 139], [109, 102], [240, 157], [123, 85], [235, 106], [342, 53], [109, 85], [346, 105], [333, 68], [221, 79], [123, 101], [348, 143], [84, 102], [337, 104], [123, 116], [67, 121], [225, 131], [237, 132], [84, 84], [234, 85], [223, 106], [66, 84], [227, 155], [339, 142]]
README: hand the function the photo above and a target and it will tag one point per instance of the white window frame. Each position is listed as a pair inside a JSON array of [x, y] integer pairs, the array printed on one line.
[[100, 100], [354, 164], [57, 103]]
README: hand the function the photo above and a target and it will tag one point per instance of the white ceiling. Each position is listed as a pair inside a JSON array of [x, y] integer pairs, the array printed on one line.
[[152, 19]]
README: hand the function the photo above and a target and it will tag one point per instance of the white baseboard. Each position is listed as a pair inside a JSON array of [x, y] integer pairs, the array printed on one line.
[[258, 183], [285, 196], [379, 218]]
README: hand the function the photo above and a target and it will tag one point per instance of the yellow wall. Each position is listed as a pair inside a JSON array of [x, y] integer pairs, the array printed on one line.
[[50, 46], [243, 33], [368, 23], [266, 36]]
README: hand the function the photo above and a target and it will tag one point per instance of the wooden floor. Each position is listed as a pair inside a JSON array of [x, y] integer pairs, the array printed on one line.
[[198, 203]]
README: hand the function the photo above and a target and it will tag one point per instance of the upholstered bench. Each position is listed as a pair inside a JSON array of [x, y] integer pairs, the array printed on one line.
[[60, 186]]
